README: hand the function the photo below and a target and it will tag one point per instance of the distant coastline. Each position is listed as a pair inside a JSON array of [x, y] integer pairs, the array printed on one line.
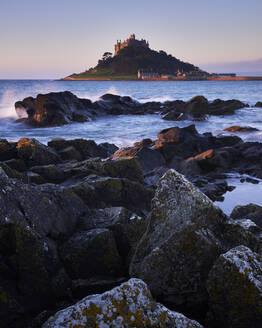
[[221, 78]]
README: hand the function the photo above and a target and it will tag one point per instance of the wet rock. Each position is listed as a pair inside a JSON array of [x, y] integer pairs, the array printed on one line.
[[35, 153], [258, 104], [197, 107], [128, 305], [251, 212], [92, 253], [235, 289], [225, 107], [12, 173], [180, 245], [236, 128], [55, 108]]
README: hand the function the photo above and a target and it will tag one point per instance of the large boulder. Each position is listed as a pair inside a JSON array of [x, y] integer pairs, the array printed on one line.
[[129, 305], [182, 240], [235, 290], [55, 108], [258, 104]]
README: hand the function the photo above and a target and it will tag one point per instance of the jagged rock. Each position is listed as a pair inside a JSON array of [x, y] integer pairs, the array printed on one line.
[[251, 212], [12, 173], [235, 290], [129, 305], [35, 153], [92, 253], [70, 153], [181, 243], [17, 164], [55, 108]]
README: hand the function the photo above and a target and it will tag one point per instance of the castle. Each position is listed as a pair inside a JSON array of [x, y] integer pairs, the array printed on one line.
[[131, 41]]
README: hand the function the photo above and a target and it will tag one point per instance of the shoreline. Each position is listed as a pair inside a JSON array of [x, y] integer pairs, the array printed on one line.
[[237, 78]]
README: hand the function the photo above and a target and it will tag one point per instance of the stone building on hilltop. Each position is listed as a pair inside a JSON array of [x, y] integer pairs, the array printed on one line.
[[131, 41]]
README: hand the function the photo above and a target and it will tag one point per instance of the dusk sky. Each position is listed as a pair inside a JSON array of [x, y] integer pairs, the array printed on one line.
[[54, 38]]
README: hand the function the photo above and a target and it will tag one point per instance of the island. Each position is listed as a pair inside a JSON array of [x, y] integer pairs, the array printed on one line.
[[134, 60]]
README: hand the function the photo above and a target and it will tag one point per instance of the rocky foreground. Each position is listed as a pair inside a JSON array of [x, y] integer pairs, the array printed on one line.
[[59, 108], [96, 236]]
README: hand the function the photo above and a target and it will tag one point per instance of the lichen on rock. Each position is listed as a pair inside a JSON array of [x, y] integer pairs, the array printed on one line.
[[128, 305]]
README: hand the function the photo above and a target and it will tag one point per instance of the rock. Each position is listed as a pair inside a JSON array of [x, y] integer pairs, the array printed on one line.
[[236, 128], [35, 153], [181, 243], [86, 148], [50, 173], [251, 212], [92, 253], [52, 109], [258, 104], [225, 107], [101, 192], [197, 107], [12, 173], [127, 227], [235, 290], [16, 164], [124, 168], [109, 148], [7, 150], [70, 153], [129, 305]]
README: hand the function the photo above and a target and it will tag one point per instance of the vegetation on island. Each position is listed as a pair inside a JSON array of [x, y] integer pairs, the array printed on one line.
[[129, 60]]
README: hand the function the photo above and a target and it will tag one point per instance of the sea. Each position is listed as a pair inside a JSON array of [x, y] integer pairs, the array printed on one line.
[[125, 129]]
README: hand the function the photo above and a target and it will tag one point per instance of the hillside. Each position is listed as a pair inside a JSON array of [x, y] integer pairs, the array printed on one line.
[[133, 57]]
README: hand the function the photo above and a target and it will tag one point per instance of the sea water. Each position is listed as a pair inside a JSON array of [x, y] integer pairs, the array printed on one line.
[[125, 129]]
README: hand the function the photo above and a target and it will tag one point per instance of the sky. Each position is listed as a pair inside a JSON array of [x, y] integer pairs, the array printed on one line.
[[55, 38]]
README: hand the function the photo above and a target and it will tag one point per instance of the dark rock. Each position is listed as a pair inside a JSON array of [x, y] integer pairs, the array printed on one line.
[[70, 153], [225, 107], [251, 212], [50, 173], [100, 192], [197, 107], [258, 104], [7, 150], [17, 164], [109, 148], [84, 287], [92, 253], [234, 288], [35, 153], [55, 108]]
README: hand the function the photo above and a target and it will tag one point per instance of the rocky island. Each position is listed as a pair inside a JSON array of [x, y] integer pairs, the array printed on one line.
[[134, 60]]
